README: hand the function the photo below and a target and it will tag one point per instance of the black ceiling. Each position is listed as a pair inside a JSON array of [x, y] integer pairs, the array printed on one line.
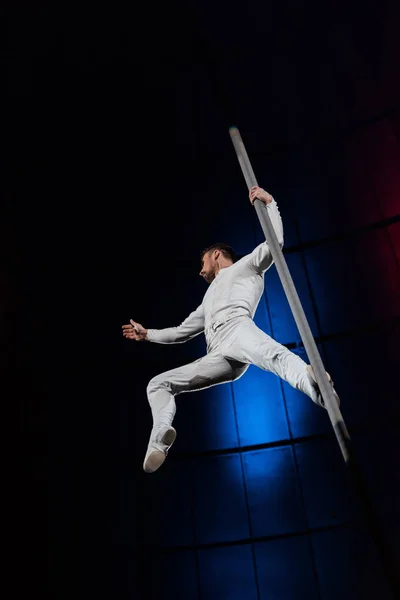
[[118, 113]]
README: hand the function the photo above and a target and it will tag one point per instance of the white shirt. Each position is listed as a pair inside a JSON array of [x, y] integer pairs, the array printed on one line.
[[235, 291]]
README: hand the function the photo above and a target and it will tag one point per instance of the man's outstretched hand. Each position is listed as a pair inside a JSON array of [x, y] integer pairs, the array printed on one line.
[[134, 331], [260, 194]]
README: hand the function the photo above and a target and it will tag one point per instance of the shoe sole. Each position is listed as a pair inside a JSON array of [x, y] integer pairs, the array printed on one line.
[[157, 457]]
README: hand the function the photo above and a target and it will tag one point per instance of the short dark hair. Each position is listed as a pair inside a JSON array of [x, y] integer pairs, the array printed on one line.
[[226, 250]]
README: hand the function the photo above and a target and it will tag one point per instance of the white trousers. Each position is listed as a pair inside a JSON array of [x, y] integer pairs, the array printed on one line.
[[231, 349]]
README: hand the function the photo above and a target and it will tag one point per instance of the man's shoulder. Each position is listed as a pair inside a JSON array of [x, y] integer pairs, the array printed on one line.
[[242, 259], [242, 262], [245, 265], [240, 267]]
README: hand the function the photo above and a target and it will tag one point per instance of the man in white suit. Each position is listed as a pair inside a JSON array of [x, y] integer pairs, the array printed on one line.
[[233, 340]]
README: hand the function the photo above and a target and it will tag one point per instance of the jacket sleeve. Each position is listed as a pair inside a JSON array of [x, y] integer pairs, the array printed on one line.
[[261, 258], [188, 329]]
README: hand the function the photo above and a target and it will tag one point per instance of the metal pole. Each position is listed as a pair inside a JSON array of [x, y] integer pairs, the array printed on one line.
[[314, 357], [334, 413]]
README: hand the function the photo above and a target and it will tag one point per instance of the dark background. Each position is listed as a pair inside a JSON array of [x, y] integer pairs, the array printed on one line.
[[117, 170]]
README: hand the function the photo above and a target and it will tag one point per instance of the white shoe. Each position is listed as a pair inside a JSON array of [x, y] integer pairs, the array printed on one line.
[[317, 394], [158, 449]]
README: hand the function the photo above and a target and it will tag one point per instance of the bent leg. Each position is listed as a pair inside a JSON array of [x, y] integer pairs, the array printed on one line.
[[205, 372]]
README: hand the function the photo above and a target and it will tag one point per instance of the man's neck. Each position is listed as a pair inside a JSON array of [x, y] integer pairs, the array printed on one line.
[[223, 265]]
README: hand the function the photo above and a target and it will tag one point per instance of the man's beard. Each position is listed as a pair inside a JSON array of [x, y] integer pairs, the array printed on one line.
[[210, 277]]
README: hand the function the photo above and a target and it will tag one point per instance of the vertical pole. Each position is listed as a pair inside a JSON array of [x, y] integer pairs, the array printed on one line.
[[334, 413], [335, 416]]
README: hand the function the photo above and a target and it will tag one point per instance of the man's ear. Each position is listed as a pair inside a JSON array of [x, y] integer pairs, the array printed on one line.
[[217, 254]]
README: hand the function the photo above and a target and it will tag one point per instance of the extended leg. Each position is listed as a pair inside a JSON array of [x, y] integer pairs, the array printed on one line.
[[210, 370], [254, 346]]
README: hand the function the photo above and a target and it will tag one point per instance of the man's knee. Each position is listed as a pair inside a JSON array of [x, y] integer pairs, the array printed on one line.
[[159, 382]]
